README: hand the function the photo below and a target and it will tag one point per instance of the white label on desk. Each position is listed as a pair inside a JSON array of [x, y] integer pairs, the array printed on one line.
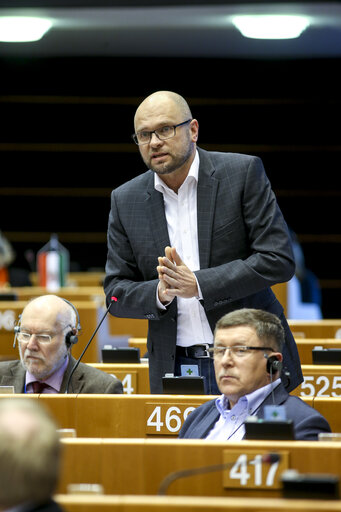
[[321, 385], [248, 469], [166, 418]]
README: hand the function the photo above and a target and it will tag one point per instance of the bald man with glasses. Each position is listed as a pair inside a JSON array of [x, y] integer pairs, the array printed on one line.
[[247, 356], [197, 235]]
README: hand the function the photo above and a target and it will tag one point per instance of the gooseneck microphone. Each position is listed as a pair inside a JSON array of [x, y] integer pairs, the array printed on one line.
[[112, 299], [269, 458]]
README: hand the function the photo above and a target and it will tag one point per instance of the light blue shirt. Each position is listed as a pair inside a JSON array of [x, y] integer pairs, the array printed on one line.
[[230, 424]]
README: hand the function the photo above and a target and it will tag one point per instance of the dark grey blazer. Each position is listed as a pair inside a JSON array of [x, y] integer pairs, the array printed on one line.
[[84, 380], [307, 421], [244, 249]]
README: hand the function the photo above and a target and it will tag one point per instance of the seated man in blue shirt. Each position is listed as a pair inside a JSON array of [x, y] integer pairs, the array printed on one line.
[[247, 361]]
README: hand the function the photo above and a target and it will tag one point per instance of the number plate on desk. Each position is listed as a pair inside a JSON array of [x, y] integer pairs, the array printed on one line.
[[166, 419], [320, 385], [129, 381], [249, 470]]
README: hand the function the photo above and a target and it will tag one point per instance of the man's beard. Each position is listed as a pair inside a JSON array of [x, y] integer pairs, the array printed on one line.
[[46, 370], [175, 163]]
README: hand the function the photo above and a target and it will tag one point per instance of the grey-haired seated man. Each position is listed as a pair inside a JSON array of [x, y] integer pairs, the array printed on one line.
[[247, 362], [47, 330]]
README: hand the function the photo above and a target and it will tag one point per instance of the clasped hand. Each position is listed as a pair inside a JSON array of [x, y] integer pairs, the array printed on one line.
[[176, 279]]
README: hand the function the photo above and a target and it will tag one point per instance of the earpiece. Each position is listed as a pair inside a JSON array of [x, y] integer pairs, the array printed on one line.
[[71, 337], [273, 365], [16, 331]]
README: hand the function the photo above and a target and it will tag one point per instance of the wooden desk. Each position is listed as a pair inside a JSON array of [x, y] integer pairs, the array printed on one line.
[[330, 408], [9, 314], [129, 327], [315, 328], [72, 294], [320, 380], [138, 466], [142, 503], [140, 343], [305, 347], [77, 278], [122, 416], [134, 377]]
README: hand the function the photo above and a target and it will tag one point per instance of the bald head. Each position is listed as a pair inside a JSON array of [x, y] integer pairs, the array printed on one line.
[[163, 101], [51, 309]]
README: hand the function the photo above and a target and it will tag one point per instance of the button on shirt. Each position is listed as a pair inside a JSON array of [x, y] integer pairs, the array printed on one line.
[[181, 215], [54, 382], [230, 424]]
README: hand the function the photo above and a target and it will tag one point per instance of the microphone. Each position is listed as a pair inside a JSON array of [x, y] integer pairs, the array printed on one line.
[[112, 299], [269, 458]]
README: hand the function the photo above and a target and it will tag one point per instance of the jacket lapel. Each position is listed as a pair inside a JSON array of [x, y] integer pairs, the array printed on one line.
[[206, 207], [77, 380], [157, 219]]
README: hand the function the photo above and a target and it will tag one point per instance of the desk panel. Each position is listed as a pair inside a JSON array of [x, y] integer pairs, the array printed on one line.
[[305, 347], [125, 416], [134, 377], [142, 503], [138, 466], [315, 328], [71, 293]]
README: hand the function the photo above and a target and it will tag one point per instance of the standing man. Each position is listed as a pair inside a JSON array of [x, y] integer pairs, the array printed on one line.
[[196, 236]]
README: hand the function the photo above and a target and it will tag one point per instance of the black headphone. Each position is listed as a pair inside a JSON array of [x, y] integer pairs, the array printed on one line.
[[70, 338], [273, 364]]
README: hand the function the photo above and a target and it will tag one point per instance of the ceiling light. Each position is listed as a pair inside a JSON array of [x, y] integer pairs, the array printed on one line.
[[21, 29], [271, 26]]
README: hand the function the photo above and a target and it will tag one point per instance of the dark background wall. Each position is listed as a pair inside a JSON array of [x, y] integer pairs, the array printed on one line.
[[65, 144]]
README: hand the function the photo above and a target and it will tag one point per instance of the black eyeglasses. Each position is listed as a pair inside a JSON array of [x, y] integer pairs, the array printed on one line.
[[235, 351], [163, 133]]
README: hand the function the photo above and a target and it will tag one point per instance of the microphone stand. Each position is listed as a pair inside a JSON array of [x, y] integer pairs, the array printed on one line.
[[113, 299]]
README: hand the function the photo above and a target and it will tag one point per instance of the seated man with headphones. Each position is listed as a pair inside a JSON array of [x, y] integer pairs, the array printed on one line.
[[247, 363], [47, 329]]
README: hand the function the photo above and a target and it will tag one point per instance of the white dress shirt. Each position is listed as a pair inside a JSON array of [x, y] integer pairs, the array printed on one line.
[[181, 215]]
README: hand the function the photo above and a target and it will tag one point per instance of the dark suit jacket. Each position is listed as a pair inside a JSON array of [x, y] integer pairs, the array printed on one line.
[[307, 421], [244, 249], [84, 380]]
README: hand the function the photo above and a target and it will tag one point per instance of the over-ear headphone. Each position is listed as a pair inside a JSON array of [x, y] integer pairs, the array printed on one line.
[[16, 330], [71, 337], [273, 365]]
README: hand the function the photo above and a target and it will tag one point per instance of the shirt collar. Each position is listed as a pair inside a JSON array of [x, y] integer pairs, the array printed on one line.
[[161, 186], [252, 400], [54, 381]]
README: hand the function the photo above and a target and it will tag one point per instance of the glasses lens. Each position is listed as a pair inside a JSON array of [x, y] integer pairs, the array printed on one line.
[[166, 132], [25, 337]]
